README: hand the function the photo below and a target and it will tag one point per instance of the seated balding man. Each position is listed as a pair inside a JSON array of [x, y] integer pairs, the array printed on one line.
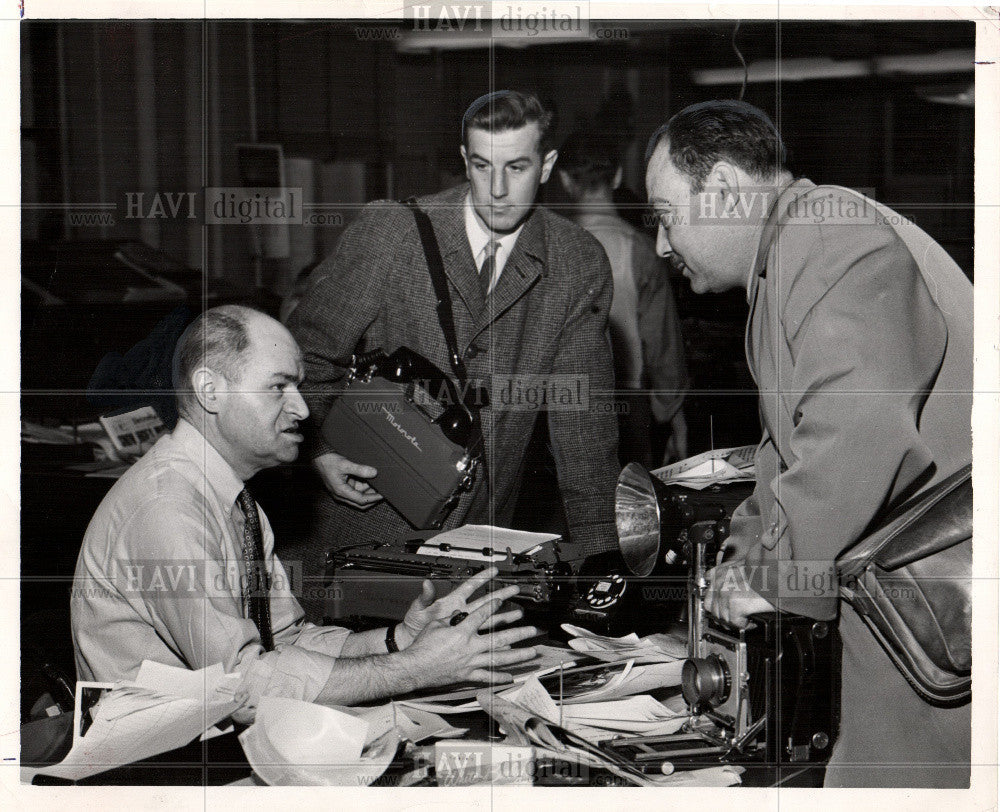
[[170, 568]]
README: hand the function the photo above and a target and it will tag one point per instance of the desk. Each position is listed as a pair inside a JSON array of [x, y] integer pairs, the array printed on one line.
[[56, 506], [221, 761]]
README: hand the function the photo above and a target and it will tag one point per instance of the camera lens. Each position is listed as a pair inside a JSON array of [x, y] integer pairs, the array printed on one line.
[[706, 681]]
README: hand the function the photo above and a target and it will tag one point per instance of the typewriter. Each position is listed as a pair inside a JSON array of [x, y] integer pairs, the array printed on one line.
[[375, 582]]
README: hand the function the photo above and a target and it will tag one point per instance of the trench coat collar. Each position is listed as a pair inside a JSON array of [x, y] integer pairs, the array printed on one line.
[[783, 199]]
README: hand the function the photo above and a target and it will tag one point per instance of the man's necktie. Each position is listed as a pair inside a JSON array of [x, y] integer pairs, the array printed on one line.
[[256, 586], [488, 268]]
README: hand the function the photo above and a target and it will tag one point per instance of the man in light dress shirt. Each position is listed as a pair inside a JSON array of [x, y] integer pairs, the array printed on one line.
[[162, 573]]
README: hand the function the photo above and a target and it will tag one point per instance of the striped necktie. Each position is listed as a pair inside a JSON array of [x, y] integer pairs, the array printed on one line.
[[488, 268], [257, 583]]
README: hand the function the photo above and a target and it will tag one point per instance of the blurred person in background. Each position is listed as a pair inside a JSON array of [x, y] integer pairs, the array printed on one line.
[[646, 342]]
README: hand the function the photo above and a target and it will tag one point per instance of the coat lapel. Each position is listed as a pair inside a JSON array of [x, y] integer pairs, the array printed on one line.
[[459, 265], [759, 281], [522, 269]]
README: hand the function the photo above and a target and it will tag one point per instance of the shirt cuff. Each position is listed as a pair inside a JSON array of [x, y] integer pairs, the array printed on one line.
[[298, 670]]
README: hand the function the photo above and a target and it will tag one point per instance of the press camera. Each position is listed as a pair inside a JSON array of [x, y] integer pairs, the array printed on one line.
[[768, 692]]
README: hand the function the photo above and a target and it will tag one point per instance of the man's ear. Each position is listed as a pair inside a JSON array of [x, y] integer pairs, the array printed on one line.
[[725, 180], [465, 160], [548, 162], [207, 385]]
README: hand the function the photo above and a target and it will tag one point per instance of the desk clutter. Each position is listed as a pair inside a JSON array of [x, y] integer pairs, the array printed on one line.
[[105, 448], [162, 709], [763, 695], [646, 690], [551, 724]]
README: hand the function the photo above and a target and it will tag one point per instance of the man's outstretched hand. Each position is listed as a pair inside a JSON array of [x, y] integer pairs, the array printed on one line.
[[426, 609], [444, 653]]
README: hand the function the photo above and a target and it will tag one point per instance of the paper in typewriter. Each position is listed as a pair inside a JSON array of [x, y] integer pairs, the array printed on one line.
[[482, 542]]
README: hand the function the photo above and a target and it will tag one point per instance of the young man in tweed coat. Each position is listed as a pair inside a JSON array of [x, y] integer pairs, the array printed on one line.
[[542, 312]]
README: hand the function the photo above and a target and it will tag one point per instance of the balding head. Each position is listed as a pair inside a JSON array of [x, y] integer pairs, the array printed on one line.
[[238, 372], [218, 339]]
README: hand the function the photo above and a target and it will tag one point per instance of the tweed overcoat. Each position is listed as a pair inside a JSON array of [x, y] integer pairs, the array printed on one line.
[[547, 315]]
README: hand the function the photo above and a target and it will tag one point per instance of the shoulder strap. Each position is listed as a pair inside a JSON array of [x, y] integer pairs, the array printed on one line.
[[436, 268], [930, 521]]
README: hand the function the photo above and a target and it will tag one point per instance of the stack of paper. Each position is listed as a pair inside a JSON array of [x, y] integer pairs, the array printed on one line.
[[629, 681], [710, 468], [485, 543], [82, 434], [637, 715], [163, 709], [595, 720], [46, 435], [659, 648], [530, 718], [549, 659]]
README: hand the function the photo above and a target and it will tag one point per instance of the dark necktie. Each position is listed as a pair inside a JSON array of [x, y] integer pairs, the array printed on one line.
[[255, 588], [488, 268]]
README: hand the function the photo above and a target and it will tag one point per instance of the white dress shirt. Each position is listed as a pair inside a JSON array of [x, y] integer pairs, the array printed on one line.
[[480, 238], [159, 578]]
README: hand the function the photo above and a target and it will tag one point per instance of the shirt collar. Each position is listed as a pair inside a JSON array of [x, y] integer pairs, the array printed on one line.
[[219, 474], [479, 236]]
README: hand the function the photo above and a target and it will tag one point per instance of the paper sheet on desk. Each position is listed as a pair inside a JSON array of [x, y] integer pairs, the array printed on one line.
[[635, 714], [648, 650], [471, 539], [620, 714], [594, 721], [432, 705], [549, 659], [165, 708], [295, 743], [710, 468], [414, 724], [638, 679], [532, 697], [628, 641]]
